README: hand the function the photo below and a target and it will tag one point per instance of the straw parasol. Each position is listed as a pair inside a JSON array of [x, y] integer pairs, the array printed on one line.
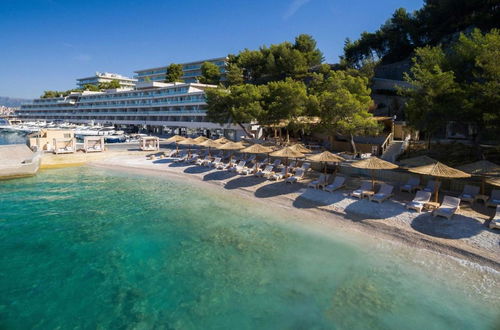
[[325, 157], [222, 140], [231, 146], [439, 170], [175, 139], [257, 149], [210, 144], [481, 168], [374, 163], [300, 148], [187, 142], [200, 139], [286, 153], [493, 181], [417, 161]]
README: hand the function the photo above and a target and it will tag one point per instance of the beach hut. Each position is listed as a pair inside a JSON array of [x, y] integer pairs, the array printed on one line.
[[209, 144], [482, 168], [300, 148], [439, 171], [175, 139], [93, 143], [325, 157], [149, 143], [287, 153], [374, 163], [231, 146], [64, 146]]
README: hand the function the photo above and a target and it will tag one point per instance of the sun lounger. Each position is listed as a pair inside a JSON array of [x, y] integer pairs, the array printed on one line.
[[250, 170], [194, 158], [239, 167], [419, 201], [320, 182], [276, 163], [495, 221], [215, 162], [412, 184], [299, 175], [171, 153], [278, 175], [337, 183], [305, 166], [359, 193], [182, 157], [431, 186], [469, 193], [383, 193], [200, 161], [224, 166], [494, 200], [267, 171], [448, 207]]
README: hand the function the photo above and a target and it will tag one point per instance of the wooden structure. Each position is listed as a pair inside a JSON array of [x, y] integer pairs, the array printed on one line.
[[44, 139], [64, 146], [93, 144], [149, 143]]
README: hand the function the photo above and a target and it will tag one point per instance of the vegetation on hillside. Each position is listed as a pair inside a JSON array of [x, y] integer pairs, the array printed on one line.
[[94, 88]]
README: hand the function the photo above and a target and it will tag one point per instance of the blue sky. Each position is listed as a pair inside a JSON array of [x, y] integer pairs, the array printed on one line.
[[47, 44]]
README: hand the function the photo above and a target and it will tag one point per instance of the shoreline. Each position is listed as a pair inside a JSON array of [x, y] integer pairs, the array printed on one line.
[[332, 219]]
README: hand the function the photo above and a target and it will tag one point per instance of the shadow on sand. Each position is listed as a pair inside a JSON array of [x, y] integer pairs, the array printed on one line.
[[182, 164], [313, 197], [219, 175], [197, 169], [163, 161], [277, 189], [244, 181], [458, 226], [365, 209]]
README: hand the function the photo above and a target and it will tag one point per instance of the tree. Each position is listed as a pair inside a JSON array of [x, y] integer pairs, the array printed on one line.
[[234, 75], [210, 73], [174, 73], [113, 84], [90, 87], [307, 46], [343, 101]]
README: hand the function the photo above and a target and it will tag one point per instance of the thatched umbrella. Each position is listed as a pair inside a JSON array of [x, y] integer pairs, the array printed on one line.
[[175, 139], [257, 149], [286, 153], [374, 163], [481, 168], [493, 181], [326, 157], [210, 144], [439, 170], [187, 142], [417, 161], [300, 148], [200, 139], [222, 140], [231, 146]]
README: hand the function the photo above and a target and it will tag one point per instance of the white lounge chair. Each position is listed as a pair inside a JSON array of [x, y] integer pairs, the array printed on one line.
[[276, 163], [266, 171], [250, 170], [224, 166], [337, 183], [418, 202], [215, 162], [383, 193], [320, 182], [194, 158], [203, 161], [359, 193], [469, 193], [431, 186], [239, 167], [278, 175], [299, 175], [448, 207], [305, 166], [494, 200], [412, 184], [495, 221], [182, 158]]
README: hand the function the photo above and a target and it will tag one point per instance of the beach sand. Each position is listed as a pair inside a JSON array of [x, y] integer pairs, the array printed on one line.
[[463, 236]]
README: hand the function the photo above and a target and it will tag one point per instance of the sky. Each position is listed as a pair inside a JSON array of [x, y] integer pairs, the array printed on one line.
[[47, 44]]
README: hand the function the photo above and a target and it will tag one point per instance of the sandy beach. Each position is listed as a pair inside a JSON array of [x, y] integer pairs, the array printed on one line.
[[463, 236]]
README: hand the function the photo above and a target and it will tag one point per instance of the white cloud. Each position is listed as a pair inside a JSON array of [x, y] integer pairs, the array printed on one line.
[[294, 7]]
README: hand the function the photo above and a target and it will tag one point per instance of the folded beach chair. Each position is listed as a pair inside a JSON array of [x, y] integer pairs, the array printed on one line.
[[267, 171], [319, 183], [495, 221], [250, 170], [365, 186], [494, 200], [431, 185], [299, 175], [239, 167], [383, 193], [412, 184], [278, 175], [337, 183], [469, 193], [417, 204], [448, 207]]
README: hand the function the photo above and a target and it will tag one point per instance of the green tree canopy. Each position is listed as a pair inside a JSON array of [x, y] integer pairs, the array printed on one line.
[[174, 73], [210, 73]]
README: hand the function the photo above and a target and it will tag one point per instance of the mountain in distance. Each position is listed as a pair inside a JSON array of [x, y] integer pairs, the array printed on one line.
[[12, 102]]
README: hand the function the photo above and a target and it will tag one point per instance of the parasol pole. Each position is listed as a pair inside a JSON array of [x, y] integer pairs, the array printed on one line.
[[483, 178], [373, 179], [436, 189]]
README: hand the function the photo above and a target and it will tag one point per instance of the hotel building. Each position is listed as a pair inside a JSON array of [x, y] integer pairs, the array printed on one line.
[[101, 77], [191, 70], [152, 106]]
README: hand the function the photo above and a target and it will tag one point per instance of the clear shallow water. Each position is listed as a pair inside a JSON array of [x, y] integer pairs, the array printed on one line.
[[83, 247], [12, 138]]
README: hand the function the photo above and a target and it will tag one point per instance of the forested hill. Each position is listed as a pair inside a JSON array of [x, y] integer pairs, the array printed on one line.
[[437, 22]]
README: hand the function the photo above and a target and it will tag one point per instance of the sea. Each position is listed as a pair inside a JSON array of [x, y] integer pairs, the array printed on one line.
[[92, 248]]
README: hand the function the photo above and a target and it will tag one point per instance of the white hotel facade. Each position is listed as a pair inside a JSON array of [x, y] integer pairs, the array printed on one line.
[[152, 106]]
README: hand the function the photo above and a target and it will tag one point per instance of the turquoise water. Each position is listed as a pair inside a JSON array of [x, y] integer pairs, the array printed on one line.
[[91, 248]]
